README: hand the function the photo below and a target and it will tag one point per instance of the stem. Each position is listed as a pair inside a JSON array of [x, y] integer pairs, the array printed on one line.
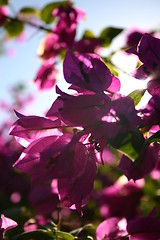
[[58, 218], [32, 24]]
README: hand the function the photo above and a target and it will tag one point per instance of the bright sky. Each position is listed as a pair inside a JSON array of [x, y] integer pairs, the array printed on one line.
[[23, 65]]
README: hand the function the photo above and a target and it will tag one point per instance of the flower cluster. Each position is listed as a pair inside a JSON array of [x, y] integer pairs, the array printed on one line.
[[99, 117]]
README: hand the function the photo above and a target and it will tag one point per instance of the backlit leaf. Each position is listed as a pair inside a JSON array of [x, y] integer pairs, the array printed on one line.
[[29, 11], [46, 12], [107, 35], [137, 95], [3, 2], [14, 28], [130, 144]]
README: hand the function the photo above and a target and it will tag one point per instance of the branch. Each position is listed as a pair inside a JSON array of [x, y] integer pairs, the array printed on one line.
[[32, 24]]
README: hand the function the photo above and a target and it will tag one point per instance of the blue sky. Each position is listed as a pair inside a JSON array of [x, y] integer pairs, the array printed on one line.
[[143, 14]]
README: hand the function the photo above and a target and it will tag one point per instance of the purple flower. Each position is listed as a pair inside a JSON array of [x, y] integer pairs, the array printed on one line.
[[87, 45], [142, 166], [76, 193], [51, 46], [148, 51], [5, 225], [46, 76], [144, 228], [29, 128], [68, 17], [133, 39], [150, 115], [53, 157], [112, 228], [80, 110], [44, 197], [87, 71], [126, 194]]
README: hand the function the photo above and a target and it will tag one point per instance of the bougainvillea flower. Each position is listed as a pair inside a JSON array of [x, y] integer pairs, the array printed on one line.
[[53, 157], [5, 225], [30, 160], [87, 45], [150, 115], [87, 71], [33, 224], [144, 228], [80, 110], [112, 228], [46, 76], [76, 193], [148, 51], [126, 194], [133, 39], [29, 128], [142, 166], [153, 87], [68, 17], [50, 46], [75, 15], [120, 118], [44, 197]]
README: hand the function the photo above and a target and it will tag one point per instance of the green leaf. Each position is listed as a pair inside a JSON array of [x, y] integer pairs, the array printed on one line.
[[154, 138], [36, 235], [3, 2], [137, 95], [29, 11], [107, 35], [130, 144], [88, 34], [86, 232], [46, 12], [45, 235], [14, 28], [64, 236], [112, 68]]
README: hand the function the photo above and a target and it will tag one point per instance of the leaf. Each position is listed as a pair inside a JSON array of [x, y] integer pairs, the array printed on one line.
[[88, 34], [137, 95], [112, 68], [107, 35], [29, 11], [46, 12], [45, 235], [14, 28], [36, 235], [154, 138], [130, 144], [64, 235], [86, 232], [3, 2]]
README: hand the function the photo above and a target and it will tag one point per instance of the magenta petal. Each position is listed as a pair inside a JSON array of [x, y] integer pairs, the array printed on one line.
[[141, 73], [44, 197], [29, 161], [87, 71], [145, 228], [6, 224], [77, 191], [111, 229], [81, 110], [153, 87], [149, 51], [47, 75], [30, 128], [141, 167], [115, 85]]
